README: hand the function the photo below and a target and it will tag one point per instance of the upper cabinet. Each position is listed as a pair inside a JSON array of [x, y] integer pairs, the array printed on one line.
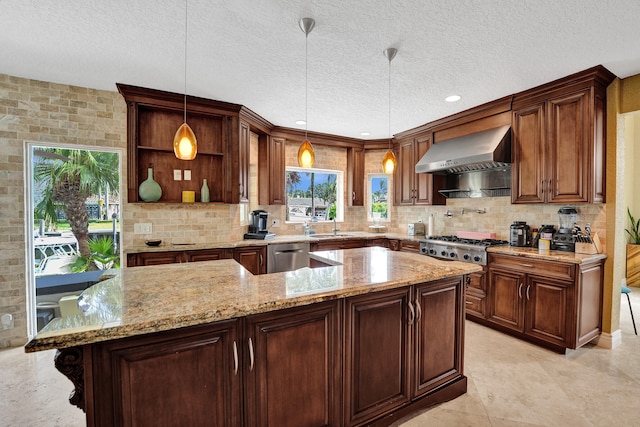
[[355, 176], [413, 188], [222, 131], [271, 170], [559, 140]]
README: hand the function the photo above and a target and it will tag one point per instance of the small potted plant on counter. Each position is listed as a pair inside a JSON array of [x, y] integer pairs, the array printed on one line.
[[633, 251]]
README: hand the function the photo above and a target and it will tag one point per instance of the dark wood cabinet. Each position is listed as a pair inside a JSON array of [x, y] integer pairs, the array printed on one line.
[[253, 258], [377, 373], [410, 246], [140, 378], [382, 242], [271, 170], [422, 331], [329, 244], [153, 117], [171, 257], [558, 144], [476, 295], [355, 176], [413, 188], [551, 303], [207, 255], [294, 388]]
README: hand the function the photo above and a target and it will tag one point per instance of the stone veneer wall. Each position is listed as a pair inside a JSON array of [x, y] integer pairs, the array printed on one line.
[[47, 112]]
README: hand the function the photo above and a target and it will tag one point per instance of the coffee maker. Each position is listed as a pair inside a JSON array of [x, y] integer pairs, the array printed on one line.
[[258, 224], [564, 239]]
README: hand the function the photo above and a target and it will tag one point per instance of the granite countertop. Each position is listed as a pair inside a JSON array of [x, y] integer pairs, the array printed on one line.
[[140, 300], [285, 238], [561, 256]]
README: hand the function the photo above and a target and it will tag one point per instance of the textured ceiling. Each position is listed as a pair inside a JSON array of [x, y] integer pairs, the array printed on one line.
[[251, 52]]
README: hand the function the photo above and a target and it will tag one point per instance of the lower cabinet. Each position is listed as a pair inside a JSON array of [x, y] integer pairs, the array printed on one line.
[[188, 377], [364, 360], [253, 258], [401, 345], [476, 295], [292, 367], [555, 304]]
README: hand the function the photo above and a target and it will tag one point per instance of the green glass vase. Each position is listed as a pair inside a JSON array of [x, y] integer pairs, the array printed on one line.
[[149, 190]]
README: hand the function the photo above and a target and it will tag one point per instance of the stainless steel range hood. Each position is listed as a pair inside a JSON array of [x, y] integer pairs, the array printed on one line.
[[486, 150]]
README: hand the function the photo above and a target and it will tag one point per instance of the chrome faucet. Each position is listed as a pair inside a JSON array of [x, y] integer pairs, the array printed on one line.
[[335, 227]]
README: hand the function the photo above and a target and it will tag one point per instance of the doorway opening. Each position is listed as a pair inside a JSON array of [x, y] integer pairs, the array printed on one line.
[[72, 220]]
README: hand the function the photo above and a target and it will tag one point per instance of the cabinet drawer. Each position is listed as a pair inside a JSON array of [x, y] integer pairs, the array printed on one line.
[[561, 270]]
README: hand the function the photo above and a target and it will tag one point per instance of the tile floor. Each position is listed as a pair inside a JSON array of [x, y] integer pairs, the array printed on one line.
[[511, 383]]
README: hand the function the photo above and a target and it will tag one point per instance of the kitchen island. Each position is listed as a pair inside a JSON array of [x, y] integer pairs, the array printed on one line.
[[371, 336]]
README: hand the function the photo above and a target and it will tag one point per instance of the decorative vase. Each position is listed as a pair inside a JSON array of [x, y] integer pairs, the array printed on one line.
[[149, 190], [204, 191]]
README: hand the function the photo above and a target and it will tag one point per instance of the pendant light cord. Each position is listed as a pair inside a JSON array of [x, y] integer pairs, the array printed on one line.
[[389, 104], [306, 84], [186, 17]]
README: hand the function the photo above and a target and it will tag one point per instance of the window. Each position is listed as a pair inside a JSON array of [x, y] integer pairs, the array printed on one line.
[[378, 202], [314, 194]]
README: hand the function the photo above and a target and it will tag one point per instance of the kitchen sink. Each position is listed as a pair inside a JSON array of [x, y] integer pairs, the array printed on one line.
[[327, 236]]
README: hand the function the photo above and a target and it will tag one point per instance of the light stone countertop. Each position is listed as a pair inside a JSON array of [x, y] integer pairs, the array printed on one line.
[[285, 238], [140, 300], [561, 256]]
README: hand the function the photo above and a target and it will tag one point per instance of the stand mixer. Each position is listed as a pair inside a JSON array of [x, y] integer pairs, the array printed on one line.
[[564, 239]]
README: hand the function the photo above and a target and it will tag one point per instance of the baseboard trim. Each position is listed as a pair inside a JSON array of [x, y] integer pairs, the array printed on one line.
[[610, 341]]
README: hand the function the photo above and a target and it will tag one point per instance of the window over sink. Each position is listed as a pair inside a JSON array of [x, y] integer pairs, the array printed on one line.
[[379, 197], [314, 195]]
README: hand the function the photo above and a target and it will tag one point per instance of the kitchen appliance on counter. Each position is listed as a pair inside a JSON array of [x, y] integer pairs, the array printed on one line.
[[258, 224], [520, 234], [543, 233], [416, 229], [458, 248], [564, 238]]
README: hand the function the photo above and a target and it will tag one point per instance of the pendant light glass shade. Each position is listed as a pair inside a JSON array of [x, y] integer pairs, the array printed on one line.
[[389, 162], [306, 156], [185, 145]]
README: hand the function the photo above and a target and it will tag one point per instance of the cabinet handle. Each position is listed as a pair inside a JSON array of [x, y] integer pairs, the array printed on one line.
[[468, 302], [250, 355], [520, 291], [353, 196], [542, 187], [260, 259], [235, 358], [418, 310], [528, 287], [526, 265], [412, 313]]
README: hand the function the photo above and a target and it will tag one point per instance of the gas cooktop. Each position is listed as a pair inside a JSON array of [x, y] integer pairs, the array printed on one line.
[[459, 249]]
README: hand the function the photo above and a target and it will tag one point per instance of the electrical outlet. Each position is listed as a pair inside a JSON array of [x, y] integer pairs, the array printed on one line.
[[275, 223], [177, 175], [187, 174], [142, 228]]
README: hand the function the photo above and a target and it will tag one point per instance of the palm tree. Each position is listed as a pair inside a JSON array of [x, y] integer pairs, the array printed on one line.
[[68, 177]]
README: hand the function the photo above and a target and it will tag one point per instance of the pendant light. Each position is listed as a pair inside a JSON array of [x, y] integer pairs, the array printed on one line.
[[306, 156], [185, 145], [389, 161]]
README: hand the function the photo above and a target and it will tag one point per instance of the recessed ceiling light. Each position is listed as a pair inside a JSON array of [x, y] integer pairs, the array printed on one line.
[[365, 133], [452, 98], [301, 122]]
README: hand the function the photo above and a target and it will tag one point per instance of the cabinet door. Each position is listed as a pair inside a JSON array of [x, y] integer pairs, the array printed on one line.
[[410, 246], [547, 302], [506, 305], [157, 258], [207, 255], [404, 174], [438, 334], [382, 242], [141, 376], [271, 170], [243, 163], [476, 295], [528, 153], [377, 354], [253, 258], [569, 133], [422, 181], [355, 176], [294, 388]]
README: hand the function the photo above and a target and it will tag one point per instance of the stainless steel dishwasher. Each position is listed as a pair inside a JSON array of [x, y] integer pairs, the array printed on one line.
[[287, 256]]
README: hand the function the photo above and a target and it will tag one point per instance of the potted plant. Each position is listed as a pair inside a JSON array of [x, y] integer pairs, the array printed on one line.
[[633, 251]]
